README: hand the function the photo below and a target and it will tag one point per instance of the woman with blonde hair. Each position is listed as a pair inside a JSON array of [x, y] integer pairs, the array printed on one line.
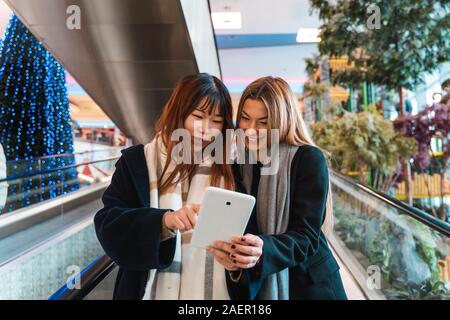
[[284, 253]]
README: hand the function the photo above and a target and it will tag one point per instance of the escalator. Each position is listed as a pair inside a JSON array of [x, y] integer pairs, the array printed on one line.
[[392, 251]]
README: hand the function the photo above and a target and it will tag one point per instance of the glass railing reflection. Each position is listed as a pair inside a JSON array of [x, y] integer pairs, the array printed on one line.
[[402, 257], [34, 181]]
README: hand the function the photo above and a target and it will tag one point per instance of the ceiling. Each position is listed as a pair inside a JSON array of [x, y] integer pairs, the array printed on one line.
[[128, 55], [267, 42], [268, 16]]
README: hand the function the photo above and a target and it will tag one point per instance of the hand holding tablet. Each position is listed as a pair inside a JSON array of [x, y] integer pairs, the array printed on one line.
[[223, 214]]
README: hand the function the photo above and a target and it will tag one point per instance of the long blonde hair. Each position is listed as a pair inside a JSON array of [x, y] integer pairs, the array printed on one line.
[[284, 115]]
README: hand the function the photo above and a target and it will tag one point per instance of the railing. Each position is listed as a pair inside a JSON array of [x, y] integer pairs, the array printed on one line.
[[62, 155], [88, 279], [53, 170], [51, 178], [429, 220], [394, 251]]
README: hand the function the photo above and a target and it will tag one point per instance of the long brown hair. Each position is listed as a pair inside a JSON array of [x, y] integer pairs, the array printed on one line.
[[202, 91], [284, 114]]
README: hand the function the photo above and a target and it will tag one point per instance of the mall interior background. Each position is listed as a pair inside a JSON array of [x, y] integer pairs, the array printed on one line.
[[256, 38]]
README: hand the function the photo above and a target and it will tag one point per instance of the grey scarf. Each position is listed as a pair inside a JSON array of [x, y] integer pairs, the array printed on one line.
[[272, 209]]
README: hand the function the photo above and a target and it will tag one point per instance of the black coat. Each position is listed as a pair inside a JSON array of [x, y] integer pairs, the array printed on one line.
[[129, 232], [313, 271]]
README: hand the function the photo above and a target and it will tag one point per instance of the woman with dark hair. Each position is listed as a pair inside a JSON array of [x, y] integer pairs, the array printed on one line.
[[151, 206]]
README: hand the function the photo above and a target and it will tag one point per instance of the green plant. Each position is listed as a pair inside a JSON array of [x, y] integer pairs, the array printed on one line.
[[361, 142], [411, 39], [426, 240], [352, 227], [377, 250]]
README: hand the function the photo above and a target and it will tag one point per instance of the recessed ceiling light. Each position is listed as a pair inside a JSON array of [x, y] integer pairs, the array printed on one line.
[[308, 35], [226, 20]]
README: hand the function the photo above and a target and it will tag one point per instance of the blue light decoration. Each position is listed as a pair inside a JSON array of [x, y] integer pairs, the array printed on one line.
[[35, 128]]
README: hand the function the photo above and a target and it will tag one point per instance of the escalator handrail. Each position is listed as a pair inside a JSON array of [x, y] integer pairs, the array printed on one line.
[[434, 223], [63, 155], [35, 173], [89, 278]]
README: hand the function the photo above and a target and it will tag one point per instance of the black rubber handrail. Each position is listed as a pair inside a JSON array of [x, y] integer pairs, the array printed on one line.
[[427, 219], [35, 173], [89, 278]]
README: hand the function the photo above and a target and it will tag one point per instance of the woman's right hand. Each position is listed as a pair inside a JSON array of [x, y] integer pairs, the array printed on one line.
[[183, 219]]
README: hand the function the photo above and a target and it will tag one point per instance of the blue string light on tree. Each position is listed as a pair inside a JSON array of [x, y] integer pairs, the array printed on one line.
[[34, 118]]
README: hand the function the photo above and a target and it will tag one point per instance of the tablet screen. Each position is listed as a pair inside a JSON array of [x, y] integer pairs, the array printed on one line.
[[223, 214]]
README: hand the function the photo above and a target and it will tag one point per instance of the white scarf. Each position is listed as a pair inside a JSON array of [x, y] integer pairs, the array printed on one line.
[[193, 274]]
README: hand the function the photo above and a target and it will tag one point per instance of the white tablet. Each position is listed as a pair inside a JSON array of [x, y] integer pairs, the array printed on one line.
[[223, 214]]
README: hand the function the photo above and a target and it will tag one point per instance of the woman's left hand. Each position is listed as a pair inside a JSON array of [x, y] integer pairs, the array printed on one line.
[[243, 252]]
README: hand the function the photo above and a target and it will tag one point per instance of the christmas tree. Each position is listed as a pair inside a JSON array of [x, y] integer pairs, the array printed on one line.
[[34, 119]]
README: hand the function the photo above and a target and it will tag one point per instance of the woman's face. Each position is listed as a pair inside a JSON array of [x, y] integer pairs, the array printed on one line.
[[204, 126], [254, 123]]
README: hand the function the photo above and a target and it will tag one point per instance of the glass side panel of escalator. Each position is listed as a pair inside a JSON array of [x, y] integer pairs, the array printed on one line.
[[38, 274], [394, 255]]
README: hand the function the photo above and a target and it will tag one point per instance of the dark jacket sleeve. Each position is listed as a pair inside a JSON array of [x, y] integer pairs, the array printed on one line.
[[128, 232], [301, 240]]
